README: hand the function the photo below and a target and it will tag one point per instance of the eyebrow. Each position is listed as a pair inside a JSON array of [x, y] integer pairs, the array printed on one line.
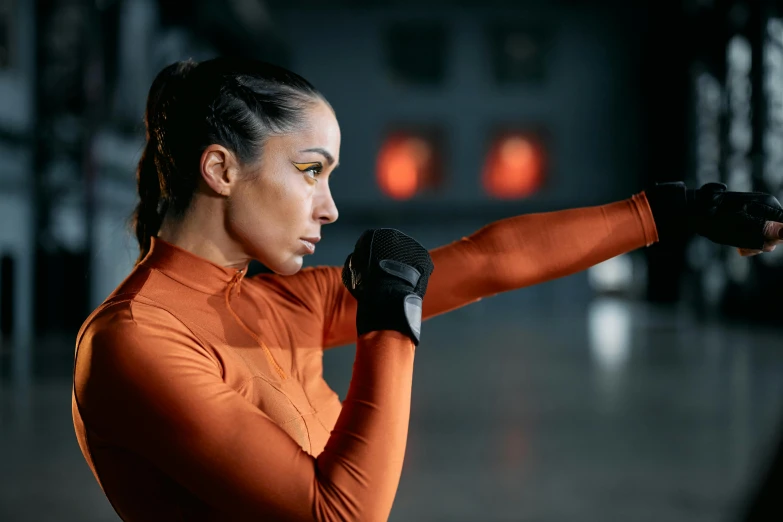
[[322, 152]]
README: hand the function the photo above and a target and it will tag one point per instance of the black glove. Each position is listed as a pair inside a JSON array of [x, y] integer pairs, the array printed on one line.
[[387, 273], [728, 218]]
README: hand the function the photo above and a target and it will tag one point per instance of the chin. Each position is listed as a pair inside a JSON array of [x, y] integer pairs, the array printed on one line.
[[289, 266]]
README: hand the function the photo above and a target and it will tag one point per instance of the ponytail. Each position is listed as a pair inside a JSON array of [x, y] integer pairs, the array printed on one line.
[[153, 169], [148, 215]]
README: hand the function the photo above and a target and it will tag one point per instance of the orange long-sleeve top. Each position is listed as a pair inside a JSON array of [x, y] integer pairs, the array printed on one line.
[[198, 393]]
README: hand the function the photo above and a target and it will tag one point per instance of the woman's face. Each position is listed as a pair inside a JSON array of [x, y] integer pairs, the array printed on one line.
[[277, 210]]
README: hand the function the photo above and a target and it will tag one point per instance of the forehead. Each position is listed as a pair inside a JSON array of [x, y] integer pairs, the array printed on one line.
[[320, 129]]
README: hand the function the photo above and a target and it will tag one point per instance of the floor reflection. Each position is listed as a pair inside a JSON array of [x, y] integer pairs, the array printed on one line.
[[619, 412]]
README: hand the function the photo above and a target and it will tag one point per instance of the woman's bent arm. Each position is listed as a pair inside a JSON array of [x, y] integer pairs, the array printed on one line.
[[144, 382]]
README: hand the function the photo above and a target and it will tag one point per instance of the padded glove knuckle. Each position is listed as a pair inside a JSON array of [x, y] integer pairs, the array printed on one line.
[[388, 273]]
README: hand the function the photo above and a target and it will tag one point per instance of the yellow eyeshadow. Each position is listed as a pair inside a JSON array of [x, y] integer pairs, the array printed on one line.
[[304, 166]]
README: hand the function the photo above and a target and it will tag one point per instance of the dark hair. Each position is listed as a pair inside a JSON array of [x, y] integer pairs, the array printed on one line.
[[236, 103]]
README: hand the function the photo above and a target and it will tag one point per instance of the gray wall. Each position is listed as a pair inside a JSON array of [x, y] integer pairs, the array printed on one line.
[[16, 180], [582, 104]]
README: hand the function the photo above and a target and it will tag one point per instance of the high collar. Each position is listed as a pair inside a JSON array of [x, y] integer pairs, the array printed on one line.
[[189, 269]]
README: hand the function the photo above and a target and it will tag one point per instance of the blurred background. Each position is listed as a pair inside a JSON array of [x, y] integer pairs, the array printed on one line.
[[647, 388]]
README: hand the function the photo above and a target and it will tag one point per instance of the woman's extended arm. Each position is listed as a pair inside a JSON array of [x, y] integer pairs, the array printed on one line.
[[144, 382], [530, 249], [505, 255]]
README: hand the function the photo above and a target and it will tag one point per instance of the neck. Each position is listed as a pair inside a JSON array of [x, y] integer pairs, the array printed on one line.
[[200, 231]]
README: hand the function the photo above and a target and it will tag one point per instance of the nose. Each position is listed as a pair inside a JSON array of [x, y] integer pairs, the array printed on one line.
[[325, 208]]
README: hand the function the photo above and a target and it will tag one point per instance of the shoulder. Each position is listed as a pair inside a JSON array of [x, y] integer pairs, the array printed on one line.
[[129, 314], [133, 349], [135, 330], [138, 331], [133, 308], [136, 356]]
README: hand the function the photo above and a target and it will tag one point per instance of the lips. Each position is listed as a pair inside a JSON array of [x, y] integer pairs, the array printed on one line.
[[309, 243]]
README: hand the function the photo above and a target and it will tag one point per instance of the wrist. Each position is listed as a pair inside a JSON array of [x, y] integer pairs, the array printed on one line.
[[669, 203], [398, 310]]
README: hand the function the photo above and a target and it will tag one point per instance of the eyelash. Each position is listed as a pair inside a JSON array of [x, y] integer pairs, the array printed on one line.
[[315, 168]]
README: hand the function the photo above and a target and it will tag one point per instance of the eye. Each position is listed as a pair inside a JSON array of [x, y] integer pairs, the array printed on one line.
[[312, 169], [315, 170]]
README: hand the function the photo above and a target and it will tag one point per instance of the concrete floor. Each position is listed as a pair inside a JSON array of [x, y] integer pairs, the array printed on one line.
[[611, 411]]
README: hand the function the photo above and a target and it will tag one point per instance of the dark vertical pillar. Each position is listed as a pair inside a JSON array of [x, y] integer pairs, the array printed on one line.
[[6, 297], [766, 77], [664, 93], [763, 499], [63, 104]]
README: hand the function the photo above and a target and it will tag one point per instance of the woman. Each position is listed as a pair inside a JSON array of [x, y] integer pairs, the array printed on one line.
[[198, 393]]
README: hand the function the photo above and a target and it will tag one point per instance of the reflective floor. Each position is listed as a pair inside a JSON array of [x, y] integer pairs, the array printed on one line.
[[611, 411]]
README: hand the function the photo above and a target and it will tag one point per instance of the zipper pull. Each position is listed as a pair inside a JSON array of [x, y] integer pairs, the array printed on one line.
[[235, 281]]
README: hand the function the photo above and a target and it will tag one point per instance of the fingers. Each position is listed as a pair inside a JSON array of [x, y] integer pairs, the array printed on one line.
[[773, 231], [773, 236], [768, 247]]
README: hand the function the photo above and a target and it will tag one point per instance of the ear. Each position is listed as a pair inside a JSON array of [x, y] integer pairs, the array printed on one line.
[[219, 169]]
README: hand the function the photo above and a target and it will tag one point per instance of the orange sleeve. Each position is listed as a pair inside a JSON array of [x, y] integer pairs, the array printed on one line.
[[534, 248], [146, 383], [505, 255]]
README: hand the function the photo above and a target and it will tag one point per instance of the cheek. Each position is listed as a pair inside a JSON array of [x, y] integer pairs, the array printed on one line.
[[288, 201], [249, 210], [267, 214]]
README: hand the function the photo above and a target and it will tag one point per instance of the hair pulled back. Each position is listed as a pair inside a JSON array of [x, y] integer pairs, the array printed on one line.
[[236, 103]]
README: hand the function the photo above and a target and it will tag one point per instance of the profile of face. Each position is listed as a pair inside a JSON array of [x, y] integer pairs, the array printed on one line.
[[277, 206]]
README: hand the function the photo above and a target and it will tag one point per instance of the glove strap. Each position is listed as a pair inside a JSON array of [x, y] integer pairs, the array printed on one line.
[[394, 309]]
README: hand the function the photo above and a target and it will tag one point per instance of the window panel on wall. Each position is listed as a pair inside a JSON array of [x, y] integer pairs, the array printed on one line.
[[416, 53], [518, 52]]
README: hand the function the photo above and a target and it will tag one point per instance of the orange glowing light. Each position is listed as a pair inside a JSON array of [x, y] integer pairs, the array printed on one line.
[[514, 168], [403, 165]]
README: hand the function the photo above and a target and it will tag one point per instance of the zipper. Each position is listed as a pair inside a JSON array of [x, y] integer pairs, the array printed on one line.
[[235, 282]]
